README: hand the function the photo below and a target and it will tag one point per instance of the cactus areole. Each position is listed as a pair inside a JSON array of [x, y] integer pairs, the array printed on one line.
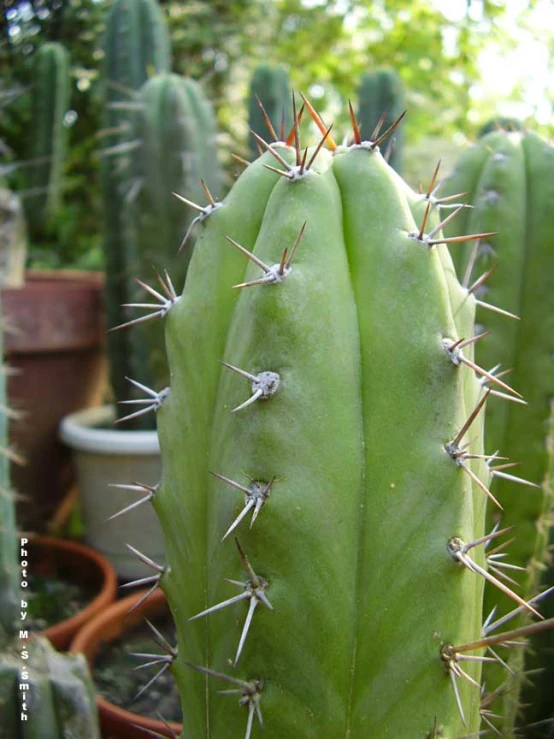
[[324, 483]]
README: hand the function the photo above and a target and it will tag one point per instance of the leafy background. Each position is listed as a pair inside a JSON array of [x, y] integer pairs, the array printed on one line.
[[438, 48]]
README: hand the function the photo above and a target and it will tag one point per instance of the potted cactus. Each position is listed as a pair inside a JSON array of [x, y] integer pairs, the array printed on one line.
[[159, 140], [325, 470]]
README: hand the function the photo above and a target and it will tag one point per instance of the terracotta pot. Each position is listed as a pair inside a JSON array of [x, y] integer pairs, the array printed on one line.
[[55, 344], [115, 722], [78, 564]]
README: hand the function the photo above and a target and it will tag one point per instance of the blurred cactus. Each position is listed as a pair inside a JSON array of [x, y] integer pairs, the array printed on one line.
[[136, 46], [48, 135], [176, 127], [500, 123], [270, 87], [381, 94]]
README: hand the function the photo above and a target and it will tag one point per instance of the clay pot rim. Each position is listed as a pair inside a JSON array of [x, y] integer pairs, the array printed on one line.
[[60, 634], [88, 639], [55, 276]]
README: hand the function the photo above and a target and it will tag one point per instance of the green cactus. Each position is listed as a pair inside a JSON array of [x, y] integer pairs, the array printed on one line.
[[352, 475], [136, 46], [270, 87], [381, 93], [50, 95], [509, 180]]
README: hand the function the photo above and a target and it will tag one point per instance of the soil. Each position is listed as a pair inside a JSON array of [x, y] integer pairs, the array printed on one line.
[[118, 681], [52, 600]]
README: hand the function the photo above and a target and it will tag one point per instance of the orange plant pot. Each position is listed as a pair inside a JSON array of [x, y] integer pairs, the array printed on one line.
[[79, 564]]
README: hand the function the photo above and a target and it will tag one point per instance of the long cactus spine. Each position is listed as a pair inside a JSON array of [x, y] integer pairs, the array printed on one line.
[[324, 477]]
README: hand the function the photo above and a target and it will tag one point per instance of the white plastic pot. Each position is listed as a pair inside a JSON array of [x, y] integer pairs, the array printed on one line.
[[104, 456]]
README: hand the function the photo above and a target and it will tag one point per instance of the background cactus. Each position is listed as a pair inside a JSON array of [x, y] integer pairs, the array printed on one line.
[[136, 45], [269, 85], [508, 178], [50, 95], [381, 93], [169, 148], [176, 128], [354, 458]]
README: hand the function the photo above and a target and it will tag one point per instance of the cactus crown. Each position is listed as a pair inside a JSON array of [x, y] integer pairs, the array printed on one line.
[[322, 452]]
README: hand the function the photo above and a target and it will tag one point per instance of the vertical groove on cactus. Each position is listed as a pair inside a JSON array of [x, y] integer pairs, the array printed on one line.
[[508, 177], [50, 100]]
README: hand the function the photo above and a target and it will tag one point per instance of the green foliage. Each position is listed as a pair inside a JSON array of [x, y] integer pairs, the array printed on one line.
[[381, 94], [269, 86], [511, 188]]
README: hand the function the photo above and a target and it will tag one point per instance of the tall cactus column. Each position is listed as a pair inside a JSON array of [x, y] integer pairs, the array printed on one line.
[[136, 45], [50, 96], [324, 475]]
